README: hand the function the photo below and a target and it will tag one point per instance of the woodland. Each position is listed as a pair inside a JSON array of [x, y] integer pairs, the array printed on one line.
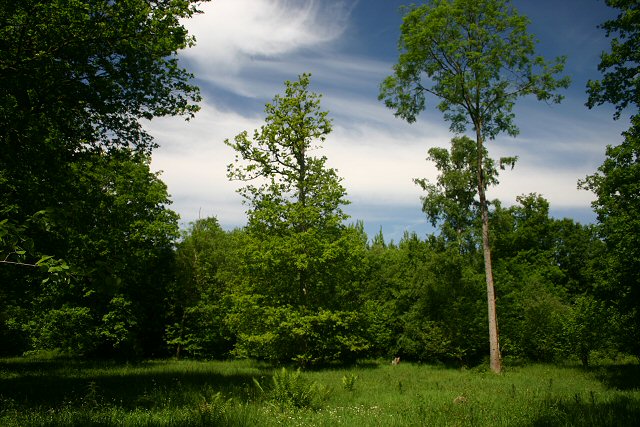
[[93, 264]]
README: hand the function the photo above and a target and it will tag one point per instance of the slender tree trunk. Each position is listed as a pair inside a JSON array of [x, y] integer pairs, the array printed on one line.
[[303, 225], [494, 343]]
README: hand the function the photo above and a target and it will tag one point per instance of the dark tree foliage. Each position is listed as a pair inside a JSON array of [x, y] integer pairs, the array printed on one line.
[[549, 267], [620, 84], [207, 261], [617, 189], [78, 76], [116, 234], [615, 184], [77, 79]]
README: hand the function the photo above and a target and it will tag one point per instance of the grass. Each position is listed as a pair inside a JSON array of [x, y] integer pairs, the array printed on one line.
[[187, 393]]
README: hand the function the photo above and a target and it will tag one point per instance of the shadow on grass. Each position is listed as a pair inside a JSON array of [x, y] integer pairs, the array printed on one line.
[[34, 384], [621, 411], [620, 377]]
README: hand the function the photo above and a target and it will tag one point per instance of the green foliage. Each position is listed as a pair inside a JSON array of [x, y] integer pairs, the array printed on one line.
[[116, 235], [72, 330], [119, 323], [542, 263], [206, 261], [587, 328], [301, 266], [299, 192], [349, 381], [78, 77], [447, 320], [452, 200], [476, 57], [214, 408], [289, 390], [620, 84], [424, 302], [284, 333], [616, 182], [533, 311], [85, 72], [616, 186], [275, 319]]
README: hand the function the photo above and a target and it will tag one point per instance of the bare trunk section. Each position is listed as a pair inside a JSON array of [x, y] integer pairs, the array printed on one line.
[[494, 343]]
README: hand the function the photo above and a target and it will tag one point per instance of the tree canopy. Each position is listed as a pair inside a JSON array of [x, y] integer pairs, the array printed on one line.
[[620, 83], [476, 57], [615, 184], [81, 74], [297, 191]]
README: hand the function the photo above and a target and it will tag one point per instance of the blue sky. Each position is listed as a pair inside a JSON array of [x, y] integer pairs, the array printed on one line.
[[246, 49]]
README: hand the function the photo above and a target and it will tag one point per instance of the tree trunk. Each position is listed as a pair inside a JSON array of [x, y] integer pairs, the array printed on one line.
[[494, 343]]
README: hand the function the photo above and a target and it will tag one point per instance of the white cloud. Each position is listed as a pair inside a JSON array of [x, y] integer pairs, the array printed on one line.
[[379, 164], [193, 160], [231, 32]]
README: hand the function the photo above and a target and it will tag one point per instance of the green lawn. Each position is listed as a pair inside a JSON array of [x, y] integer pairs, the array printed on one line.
[[188, 393]]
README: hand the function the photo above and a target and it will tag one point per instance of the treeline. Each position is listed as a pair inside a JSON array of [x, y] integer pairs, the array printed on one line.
[[420, 299], [222, 294]]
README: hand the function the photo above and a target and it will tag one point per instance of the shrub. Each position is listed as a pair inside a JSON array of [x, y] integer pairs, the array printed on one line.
[[290, 391]]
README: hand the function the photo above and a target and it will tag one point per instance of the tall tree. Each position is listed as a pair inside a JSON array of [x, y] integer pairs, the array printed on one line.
[[78, 77], [303, 261], [477, 58], [298, 193], [616, 183]]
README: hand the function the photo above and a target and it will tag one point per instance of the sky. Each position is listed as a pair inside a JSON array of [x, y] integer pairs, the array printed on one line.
[[246, 49]]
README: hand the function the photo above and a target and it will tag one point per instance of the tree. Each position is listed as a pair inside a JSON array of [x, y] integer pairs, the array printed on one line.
[[79, 76], [116, 234], [587, 327], [477, 58], [89, 70], [297, 184], [302, 262], [532, 302], [298, 194], [198, 300], [617, 188], [615, 184], [620, 84]]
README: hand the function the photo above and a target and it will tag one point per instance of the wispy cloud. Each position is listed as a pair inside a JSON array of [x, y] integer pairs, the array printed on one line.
[[232, 33]]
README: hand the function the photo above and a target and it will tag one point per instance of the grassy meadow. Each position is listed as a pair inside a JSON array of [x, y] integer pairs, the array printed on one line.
[[244, 393]]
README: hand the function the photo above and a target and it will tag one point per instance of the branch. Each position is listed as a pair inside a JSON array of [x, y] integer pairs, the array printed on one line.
[[24, 264]]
